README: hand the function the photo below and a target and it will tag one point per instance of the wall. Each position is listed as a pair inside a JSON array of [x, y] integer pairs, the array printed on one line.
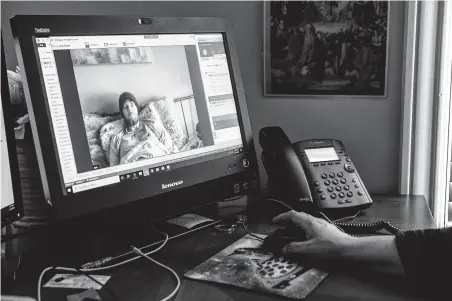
[[99, 86], [369, 127]]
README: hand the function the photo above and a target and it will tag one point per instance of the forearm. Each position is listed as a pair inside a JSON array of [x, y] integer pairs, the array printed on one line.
[[371, 250]]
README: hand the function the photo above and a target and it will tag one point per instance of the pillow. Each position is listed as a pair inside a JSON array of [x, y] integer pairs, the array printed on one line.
[[164, 107], [93, 123]]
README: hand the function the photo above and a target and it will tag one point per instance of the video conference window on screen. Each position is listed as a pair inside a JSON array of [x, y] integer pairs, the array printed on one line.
[[130, 106]]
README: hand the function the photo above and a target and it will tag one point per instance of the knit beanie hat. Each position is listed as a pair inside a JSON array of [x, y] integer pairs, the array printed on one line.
[[123, 98]]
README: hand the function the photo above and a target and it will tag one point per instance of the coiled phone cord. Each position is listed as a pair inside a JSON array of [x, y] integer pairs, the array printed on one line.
[[353, 228]]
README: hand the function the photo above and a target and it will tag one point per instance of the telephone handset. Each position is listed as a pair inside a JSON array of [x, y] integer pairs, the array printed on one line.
[[315, 176]]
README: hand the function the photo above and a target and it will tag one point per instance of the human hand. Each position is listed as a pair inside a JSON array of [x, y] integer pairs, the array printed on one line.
[[324, 240]]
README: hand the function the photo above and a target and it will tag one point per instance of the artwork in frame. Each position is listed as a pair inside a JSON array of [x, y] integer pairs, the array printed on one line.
[[325, 48]]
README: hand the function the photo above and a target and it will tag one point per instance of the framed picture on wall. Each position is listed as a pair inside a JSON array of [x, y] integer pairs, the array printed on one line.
[[325, 48]]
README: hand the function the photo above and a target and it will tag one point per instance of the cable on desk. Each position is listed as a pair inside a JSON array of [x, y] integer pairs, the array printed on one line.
[[246, 230], [83, 270], [137, 251], [350, 218], [98, 264]]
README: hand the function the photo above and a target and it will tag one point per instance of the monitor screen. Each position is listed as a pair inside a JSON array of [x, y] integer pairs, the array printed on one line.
[[165, 102], [123, 111]]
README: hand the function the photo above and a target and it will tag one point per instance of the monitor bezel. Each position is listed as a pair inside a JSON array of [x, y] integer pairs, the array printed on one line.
[[9, 216], [26, 28]]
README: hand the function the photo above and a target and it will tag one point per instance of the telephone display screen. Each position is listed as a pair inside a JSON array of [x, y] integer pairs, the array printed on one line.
[[321, 154]]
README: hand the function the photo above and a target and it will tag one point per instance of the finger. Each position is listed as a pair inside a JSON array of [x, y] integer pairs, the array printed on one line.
[[293, 217], [297, 248]]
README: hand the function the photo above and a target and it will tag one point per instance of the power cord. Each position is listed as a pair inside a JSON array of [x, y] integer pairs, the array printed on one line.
[[137, 251], [83, 270]]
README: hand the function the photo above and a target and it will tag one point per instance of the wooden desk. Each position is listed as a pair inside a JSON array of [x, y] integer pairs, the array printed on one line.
[[142, 280]]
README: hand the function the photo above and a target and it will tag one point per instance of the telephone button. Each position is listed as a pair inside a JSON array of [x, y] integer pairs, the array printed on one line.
[[323, 197], [349, 167], [316, 164], [360, 193], [340, 174], [324, 176], [350, 194], [330, 189], [348, 201], [346, 187], [340, 201], [333, 196], [330, 163], [319, 190], [323, 163], [356, 185], [341, 195], [327, 183], [348, 160], [335, 182], [354, 180], [338, 188], [343, 181], [332, 175], [316, 183]]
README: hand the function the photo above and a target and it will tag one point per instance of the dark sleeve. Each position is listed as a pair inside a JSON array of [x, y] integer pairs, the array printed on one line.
[[426, 256]]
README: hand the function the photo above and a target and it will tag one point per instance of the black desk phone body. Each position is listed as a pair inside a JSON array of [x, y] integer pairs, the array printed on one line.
[[318, 171]]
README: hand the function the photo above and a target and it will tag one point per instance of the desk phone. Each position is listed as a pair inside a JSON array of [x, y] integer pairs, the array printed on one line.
[[318, 171]]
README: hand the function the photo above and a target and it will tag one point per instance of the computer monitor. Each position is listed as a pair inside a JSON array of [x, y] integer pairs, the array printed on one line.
[[127, 109], [11, 194]]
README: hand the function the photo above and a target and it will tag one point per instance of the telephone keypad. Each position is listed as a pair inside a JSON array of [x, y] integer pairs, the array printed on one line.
[[337, 183]]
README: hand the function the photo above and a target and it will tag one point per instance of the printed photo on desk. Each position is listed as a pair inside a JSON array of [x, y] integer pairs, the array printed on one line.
[[137, 103], [243, 264], [325, 48]]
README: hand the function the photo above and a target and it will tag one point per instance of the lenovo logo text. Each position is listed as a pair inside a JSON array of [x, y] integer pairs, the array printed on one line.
[[165, 186]]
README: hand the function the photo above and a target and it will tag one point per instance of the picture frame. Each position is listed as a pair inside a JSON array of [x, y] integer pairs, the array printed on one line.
[[326, 48]]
